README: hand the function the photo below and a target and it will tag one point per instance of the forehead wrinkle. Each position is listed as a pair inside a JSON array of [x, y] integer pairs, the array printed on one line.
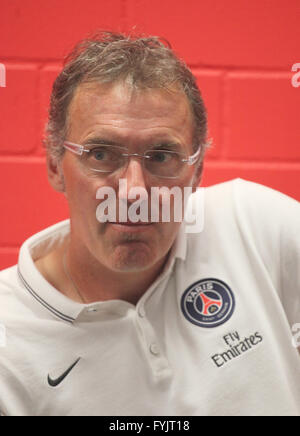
[[128, 95], [113, 124], [140, 119]]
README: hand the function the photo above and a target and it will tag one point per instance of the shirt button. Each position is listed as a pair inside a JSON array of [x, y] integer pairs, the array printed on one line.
[[91, 309], [154, 349]]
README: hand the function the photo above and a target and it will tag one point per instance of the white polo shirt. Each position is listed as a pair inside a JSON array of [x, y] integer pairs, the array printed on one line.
[[212, 335]]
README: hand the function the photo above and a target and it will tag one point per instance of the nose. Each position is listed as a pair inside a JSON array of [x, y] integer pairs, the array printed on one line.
[[135, 181]]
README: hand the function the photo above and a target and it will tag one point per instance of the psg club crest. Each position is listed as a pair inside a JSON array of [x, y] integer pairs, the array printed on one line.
[[208, 303]]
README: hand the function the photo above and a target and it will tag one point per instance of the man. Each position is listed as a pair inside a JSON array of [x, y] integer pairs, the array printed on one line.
[[127, 316]]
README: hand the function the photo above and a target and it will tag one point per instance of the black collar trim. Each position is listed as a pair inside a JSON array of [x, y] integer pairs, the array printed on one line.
[[43, 302]]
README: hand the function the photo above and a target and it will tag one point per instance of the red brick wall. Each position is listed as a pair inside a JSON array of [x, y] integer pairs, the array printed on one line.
[[242, 53]]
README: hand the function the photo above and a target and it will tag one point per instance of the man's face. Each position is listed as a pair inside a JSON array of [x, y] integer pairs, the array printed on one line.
[[139, 121]]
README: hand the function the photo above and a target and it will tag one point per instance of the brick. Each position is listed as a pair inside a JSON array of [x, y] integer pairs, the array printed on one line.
[[228, 33], [281, 177], [210, 85], [262, 117], [8, 257], [48, 30], [18, 109], [30, 204]]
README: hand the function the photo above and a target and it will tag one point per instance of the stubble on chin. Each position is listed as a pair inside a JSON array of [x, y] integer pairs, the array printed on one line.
[[132, 256]]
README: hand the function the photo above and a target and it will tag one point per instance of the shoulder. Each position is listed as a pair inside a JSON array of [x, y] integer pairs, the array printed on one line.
[[8, 280], [13, 299], [254, 213], [247, 192], [9, 284], [251, 201]]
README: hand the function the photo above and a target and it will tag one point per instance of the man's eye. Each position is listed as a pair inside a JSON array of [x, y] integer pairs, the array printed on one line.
[[160, 156], [100, 154]]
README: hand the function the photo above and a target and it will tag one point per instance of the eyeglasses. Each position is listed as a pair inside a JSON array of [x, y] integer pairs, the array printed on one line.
[[110, 158]]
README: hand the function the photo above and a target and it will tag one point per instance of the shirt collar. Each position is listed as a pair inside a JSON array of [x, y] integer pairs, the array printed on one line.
[[36, 246]]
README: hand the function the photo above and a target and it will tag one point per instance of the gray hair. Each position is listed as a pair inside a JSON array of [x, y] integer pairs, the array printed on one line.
[[107, 57]]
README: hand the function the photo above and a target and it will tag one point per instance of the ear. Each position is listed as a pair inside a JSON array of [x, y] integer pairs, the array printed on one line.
[[55, 173]]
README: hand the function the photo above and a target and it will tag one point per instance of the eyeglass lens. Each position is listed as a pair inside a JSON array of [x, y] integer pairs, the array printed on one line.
[[162, 163]]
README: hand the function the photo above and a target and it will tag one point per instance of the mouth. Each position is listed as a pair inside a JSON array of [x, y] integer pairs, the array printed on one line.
[[129, 226], [130, 223]]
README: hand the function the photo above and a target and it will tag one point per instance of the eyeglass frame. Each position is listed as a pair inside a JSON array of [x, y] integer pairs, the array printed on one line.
[[80, 149]]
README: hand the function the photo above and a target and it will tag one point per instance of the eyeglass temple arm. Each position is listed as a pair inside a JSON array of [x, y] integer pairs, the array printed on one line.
[[192, 159], [74, 148]]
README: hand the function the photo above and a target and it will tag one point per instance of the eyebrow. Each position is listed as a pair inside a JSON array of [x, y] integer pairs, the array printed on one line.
[[153, 144], [100, 140], [167, 145]]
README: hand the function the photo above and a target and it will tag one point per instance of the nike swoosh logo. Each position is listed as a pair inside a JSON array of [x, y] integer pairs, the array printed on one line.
[[58, 380]]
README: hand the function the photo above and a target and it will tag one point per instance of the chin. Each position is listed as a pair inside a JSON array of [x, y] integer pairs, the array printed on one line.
[[133, 258]]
